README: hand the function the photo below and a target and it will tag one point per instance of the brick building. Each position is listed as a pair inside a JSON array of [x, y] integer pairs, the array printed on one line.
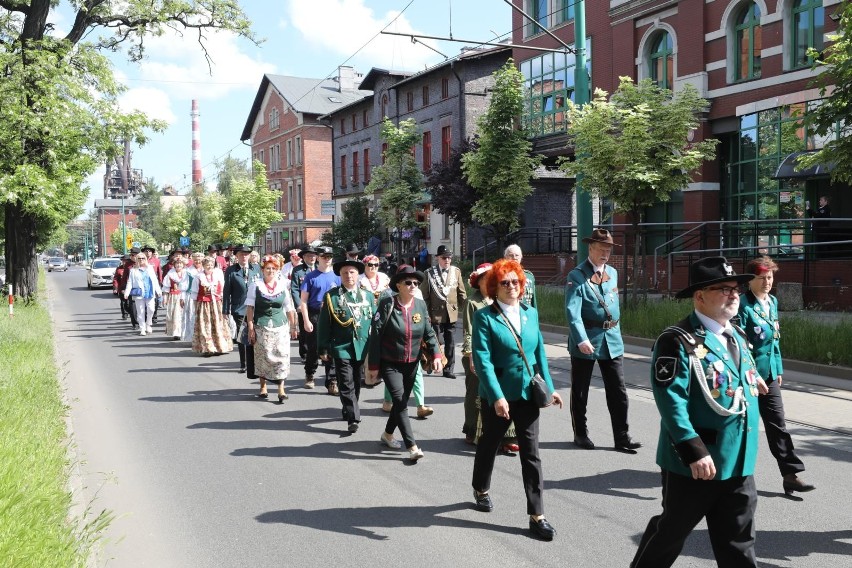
[[287, 137], [109, 212], [444, 100], [750, 60]]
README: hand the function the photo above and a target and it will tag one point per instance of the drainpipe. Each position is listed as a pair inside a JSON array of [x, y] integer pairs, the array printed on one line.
[[462, 131]]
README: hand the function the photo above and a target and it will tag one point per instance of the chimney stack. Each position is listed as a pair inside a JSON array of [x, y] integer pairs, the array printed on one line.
[[196, 146], [346, 78]]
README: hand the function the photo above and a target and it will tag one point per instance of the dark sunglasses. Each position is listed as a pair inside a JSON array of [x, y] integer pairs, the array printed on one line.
[[411, 282], [510, 283], [372, 264]]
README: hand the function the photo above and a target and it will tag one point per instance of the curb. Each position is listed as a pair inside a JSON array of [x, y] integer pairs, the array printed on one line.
[[833, 371]]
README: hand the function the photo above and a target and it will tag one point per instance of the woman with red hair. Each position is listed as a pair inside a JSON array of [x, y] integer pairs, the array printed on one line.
[[508, 350], [271, 322]]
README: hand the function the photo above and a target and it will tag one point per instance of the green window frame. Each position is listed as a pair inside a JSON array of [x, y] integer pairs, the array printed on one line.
[[748, 43], [661, 61], [548, 85], [808, 26], [565, 13], [538, 12]]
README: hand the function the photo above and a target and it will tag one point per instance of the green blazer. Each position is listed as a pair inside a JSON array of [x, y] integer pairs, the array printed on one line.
[[236, 286], [585, 314], [764, 333], [397, 336], [689, 428], [343, 329], [497, 360]]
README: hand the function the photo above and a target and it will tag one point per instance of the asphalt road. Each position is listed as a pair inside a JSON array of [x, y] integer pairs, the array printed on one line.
[[200, 473]]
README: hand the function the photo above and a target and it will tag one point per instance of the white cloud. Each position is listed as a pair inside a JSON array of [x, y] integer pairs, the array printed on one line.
[[155, 103], [176, 63], [343, 26]]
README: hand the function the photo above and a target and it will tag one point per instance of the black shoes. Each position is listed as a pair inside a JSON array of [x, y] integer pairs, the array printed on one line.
[[584, 442], [793, 483], [627, 444], [353, 427], [449, 375], [542, 529], [482, 502], [240, 370]]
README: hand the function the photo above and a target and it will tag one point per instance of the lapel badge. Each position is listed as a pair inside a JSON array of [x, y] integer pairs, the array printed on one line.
[[701, 351], [699, 331], [416, 318]]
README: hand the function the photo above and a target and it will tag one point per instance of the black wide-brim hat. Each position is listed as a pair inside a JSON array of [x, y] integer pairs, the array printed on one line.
[[443, 251], [406, 271], [148, 247], [705, 272], [602, 236], [212, 248], [242, 248], [337, 266], [306, 250], [135, 250], [352, 248]]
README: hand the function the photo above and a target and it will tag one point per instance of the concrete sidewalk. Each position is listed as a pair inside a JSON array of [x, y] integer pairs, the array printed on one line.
[[810, 398]]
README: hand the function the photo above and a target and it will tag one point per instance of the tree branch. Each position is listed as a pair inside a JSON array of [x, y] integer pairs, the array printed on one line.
[[15, 6]]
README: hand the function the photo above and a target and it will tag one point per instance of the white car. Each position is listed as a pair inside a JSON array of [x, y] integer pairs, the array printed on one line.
[[99, 274], [57, 264]]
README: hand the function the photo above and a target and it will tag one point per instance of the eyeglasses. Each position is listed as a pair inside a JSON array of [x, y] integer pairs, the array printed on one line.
[[326, 256], [510, 283], [411, 282], [726, 290], [372, 264]]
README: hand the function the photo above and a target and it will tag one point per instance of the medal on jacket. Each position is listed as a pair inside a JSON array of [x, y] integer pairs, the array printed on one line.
[[701, 351], [416, 318]]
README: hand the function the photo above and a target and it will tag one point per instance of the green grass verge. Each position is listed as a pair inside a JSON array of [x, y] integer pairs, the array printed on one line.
[[36, 528], [803, 337]]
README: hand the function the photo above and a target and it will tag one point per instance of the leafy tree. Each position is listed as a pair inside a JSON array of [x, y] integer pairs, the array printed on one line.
[[59, 105], [501, 167], [398, 180], [633, 148], [451, 194], [249, 209], [357, 224], [205, 218], [144, 238], [171, 223], [830, 120], [229, 170], [149, 207]]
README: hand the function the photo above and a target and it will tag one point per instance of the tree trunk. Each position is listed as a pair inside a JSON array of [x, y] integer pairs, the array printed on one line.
[[21, 261]]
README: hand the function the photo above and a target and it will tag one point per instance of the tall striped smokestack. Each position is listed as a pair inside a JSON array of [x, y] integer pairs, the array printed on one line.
[[196, 146]]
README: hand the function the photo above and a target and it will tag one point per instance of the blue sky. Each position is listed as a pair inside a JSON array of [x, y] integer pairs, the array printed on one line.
[[305, 38]]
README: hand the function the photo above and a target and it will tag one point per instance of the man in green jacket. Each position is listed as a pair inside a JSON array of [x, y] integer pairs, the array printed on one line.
[[705, 384], [343, 330]]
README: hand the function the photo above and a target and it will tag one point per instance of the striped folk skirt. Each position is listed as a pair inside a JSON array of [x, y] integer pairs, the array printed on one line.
[[211, 333], [272, 352], [174, 314]]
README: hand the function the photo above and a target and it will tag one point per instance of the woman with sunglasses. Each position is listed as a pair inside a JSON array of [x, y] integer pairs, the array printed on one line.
[[508, 349], [400, 323], [143, 286], [378, 284], [758, 316]]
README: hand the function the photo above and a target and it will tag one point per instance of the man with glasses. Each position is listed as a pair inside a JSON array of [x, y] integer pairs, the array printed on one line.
[[705, 384], [444, 293], [592, 310], [312, 293], [513, 252]]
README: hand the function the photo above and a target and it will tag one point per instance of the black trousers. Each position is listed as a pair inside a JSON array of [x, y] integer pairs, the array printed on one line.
[[729, 507], [246, 353], [131, 309], [123, 306], [780, 443], [616, 394], [471, 393], [312, 359], [399, 380], [303, 341], [446, 337], [525, 414], [349, 373]]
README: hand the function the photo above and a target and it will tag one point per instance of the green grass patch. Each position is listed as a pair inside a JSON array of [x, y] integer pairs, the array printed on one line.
[[803, 336], [36, 529]]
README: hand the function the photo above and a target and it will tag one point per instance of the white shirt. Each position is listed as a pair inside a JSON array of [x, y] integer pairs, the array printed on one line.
[[513, 313], [280, 287], [715, 327]]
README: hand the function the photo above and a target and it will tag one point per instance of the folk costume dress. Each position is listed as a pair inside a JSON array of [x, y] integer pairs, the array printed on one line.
[[211, 334], [188, 327], [175, 289], [271, 328]]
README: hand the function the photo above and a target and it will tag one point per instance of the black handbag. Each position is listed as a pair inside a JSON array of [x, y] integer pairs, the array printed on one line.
[[538, 387]]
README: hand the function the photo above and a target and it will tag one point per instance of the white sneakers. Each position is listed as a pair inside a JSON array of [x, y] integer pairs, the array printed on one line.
[[142, 332]]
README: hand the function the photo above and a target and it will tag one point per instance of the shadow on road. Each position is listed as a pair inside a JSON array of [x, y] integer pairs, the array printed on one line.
[[364, 521], [612, 483]]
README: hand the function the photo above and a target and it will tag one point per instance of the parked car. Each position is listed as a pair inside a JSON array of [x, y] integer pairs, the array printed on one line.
[[57, 263], [100, 273]]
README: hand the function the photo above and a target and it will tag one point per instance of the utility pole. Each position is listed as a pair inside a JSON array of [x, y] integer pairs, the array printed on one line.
[[581, 97]]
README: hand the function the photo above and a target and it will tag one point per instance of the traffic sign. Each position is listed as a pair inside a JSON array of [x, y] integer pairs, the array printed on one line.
[[327, 207], [129, 240], [184, 241]]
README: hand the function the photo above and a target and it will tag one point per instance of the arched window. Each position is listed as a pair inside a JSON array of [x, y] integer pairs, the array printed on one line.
[[661, 61], [748, 43], [384, 106], [808, 17]]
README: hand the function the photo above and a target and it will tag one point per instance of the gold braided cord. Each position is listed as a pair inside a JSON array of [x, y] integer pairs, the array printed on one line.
[[347, 323]]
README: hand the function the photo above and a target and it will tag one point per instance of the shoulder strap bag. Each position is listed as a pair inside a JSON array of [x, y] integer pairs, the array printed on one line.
[[538, 387]]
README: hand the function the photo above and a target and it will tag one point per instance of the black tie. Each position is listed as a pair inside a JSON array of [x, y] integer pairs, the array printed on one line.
[[733, 347]]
